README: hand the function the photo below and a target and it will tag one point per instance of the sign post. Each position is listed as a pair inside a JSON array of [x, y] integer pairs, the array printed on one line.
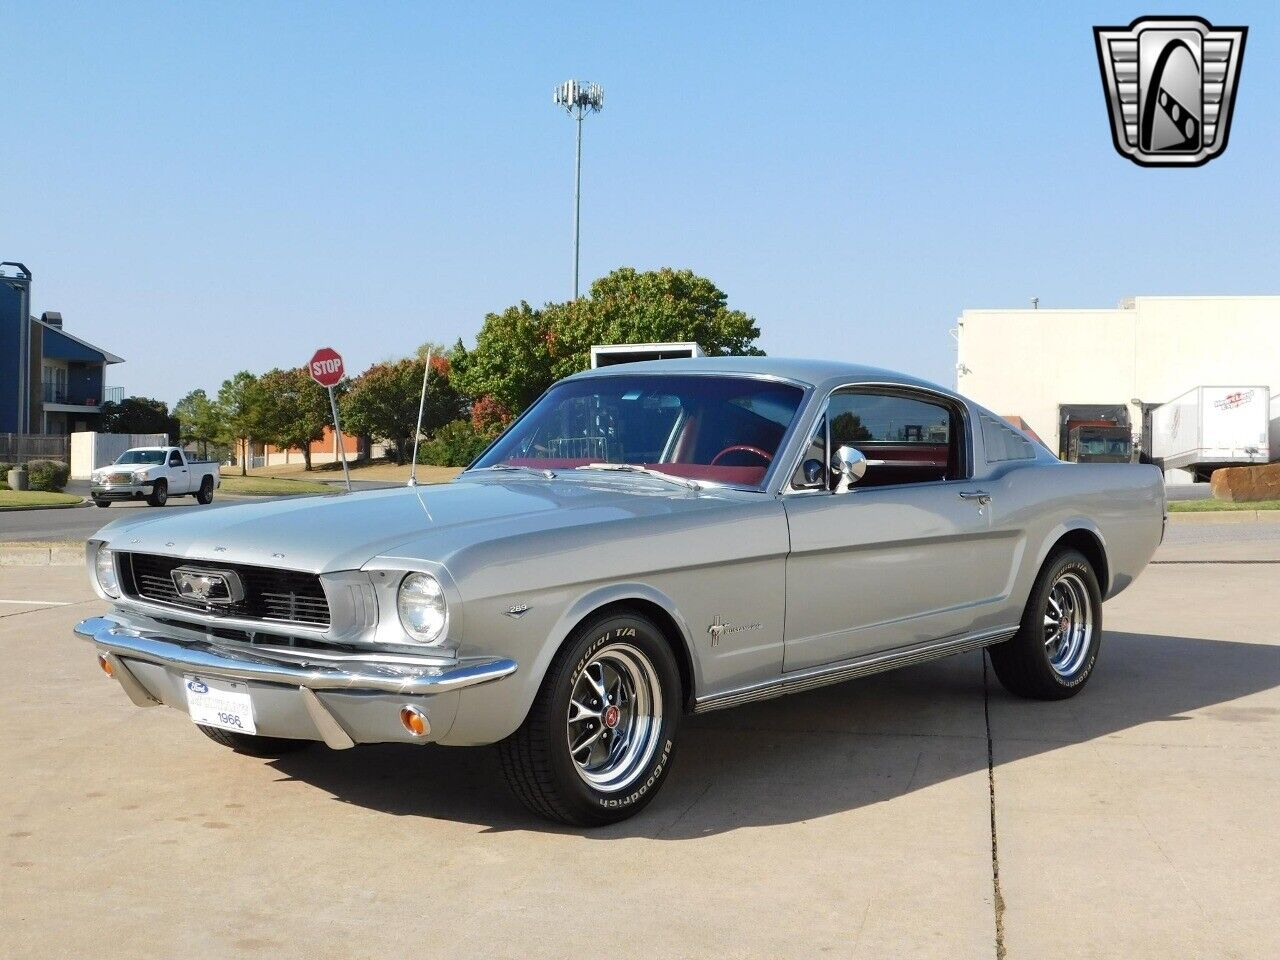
[[326, 369]]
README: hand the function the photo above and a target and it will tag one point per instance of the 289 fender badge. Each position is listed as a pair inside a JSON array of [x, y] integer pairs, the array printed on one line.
[[518, 611], [1170, 84]]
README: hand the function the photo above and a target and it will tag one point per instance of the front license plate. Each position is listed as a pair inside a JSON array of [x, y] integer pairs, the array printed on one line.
[[220, 703]]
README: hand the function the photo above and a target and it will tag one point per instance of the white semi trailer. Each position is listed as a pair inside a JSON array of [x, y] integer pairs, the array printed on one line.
[[1210, 427]]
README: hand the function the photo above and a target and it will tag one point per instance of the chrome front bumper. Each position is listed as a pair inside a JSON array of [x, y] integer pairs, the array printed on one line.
[[339, 697], [120, 491]]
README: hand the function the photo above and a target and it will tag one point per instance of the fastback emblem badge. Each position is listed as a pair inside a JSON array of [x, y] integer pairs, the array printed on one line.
[[1170, 84], [210, 587]]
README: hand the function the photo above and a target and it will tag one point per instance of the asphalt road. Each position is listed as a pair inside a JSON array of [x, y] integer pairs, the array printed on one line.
[[1133, 821], [80, 523]]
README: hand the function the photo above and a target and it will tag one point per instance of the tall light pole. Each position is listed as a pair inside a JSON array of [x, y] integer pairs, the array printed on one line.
[[578, 98]]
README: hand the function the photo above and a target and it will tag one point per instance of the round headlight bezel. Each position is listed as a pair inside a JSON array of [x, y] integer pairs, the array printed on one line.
[[421, 592], [104, 571]]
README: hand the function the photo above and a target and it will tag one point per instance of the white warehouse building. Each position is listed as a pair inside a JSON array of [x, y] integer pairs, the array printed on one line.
[[1032, 364]]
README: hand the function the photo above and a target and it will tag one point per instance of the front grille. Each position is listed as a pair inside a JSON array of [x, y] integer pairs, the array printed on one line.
[[120, 478], [279, 596]]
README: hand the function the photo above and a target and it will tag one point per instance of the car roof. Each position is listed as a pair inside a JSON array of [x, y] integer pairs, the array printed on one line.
[[812, 373]]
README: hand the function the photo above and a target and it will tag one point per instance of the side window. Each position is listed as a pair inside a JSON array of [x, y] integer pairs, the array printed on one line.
[[906, 438], [175, 459]]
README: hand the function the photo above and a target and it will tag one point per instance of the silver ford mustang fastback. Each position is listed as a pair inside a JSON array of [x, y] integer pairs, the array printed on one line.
[[647, 540]]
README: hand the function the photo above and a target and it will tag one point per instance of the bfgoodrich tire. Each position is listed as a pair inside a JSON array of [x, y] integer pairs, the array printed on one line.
[[600, 737], [251, 745], [1054, 652]]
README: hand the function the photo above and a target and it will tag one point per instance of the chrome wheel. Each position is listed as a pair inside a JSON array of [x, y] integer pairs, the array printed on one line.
[[614, 720], [1068, 624]]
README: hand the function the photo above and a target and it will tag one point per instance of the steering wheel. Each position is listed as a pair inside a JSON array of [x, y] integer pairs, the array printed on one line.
[[743, 448]]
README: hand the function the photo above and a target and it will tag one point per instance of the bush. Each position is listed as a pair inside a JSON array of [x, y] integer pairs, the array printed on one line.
[[455, 444], [4, 474], [49, 475]]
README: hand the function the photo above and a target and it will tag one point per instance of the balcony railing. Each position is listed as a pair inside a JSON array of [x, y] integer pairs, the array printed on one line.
[[56, 393]]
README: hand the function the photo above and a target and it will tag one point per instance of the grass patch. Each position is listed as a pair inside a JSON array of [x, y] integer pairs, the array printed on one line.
[[237, 486], [1207, 506], [35, 498]]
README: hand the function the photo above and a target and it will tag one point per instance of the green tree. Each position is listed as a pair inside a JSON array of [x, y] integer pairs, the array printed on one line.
[[293, 410], [521, 351], [200, 420], [240, 409], [140, 415], [656, 306], [382, 402], [511, 361]]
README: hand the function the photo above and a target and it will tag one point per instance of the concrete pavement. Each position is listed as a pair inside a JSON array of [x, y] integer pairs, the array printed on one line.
[[1135, 820]]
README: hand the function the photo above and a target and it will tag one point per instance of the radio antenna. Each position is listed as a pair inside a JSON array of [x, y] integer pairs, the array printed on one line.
[[422, 403]]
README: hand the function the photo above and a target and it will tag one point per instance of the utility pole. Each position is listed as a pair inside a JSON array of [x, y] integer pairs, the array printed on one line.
[[578, 98]]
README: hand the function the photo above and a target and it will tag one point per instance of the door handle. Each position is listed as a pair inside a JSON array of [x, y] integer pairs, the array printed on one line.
[[981, 496]]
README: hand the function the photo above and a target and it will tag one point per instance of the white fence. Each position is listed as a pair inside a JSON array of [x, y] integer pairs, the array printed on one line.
[[90, 450]]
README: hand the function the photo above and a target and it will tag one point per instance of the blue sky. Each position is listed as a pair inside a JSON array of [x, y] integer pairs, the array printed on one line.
[[206, 187]]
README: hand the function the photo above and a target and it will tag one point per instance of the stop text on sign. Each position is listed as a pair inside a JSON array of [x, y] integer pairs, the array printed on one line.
[[325, 367]]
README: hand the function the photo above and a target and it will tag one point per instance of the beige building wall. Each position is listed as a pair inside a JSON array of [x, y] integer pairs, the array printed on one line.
[[1027, 362]]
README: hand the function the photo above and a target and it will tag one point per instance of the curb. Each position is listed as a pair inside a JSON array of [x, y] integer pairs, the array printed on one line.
[[1225, 516], [54, 555], [84, 502]]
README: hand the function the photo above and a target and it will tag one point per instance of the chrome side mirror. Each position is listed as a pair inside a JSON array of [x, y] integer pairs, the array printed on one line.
[[851, 466]]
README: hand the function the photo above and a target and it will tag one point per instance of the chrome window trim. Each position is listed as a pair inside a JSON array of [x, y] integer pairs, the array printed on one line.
[[968, 453]]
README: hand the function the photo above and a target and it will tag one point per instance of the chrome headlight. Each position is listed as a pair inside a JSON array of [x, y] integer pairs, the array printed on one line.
[[104, 568], [424, 614]]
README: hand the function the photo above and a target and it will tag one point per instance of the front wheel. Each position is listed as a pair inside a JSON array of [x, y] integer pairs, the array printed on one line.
[[600, 737], [205, 494], [102, 503], [159, 494], [1053, 654]]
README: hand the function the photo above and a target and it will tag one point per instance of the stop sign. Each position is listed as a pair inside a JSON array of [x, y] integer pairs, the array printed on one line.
[[325, 367]]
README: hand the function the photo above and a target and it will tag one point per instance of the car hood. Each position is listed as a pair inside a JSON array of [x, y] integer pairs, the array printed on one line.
[[345, 531]]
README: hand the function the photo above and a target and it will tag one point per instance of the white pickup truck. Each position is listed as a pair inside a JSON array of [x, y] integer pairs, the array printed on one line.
[[154, 473]]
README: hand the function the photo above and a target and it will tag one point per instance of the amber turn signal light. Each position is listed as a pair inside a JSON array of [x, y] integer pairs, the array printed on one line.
[[415, 721], [105, 664]]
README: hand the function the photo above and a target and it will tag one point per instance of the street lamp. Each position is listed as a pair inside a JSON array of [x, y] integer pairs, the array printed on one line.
[[578, 99]]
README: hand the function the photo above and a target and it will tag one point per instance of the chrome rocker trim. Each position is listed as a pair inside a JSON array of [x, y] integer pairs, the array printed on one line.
[[812, 677], [404, 675]]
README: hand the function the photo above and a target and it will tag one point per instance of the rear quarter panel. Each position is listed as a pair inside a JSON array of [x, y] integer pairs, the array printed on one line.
[[1035, 504]]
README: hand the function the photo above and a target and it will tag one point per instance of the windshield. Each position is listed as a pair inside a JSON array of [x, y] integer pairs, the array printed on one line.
[[142, 456], [710, 428]]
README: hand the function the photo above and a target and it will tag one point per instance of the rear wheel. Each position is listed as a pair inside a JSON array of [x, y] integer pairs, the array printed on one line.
[[205, 493], [159, 494], [254, 746], [1053, 654], [600, 736]]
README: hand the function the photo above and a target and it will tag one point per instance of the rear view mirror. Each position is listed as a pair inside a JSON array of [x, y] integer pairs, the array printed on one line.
[[850, 465]]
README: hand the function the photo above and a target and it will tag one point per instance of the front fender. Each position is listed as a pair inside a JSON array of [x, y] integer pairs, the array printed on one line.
[[492, 713]]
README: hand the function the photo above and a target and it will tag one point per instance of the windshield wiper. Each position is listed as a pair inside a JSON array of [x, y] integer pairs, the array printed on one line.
[[647, 471], [511, 466]]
